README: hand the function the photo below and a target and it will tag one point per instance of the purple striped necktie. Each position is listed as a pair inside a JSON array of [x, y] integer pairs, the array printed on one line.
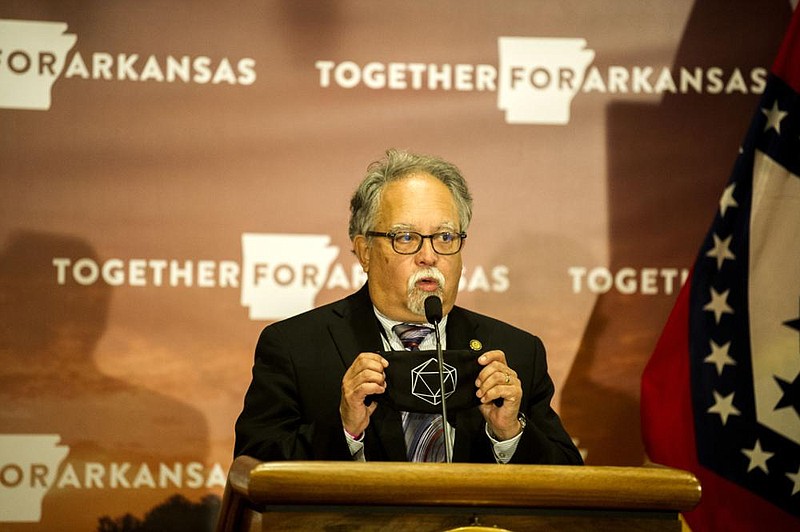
[[424, 433]]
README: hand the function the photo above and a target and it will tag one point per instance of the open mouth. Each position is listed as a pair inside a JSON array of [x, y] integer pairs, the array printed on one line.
[[428, 284]]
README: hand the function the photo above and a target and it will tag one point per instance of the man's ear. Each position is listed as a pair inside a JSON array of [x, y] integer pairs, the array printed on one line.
[[361, 249]]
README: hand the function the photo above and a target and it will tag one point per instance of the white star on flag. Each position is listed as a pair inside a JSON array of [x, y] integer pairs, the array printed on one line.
[[719, 304], [795, 477], [719, 356], [727, 199], [758, 457], [721, 250], [723, 406], [774, 117]]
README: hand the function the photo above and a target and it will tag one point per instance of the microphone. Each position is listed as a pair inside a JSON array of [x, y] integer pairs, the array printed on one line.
[[433, 313], [433, 310]]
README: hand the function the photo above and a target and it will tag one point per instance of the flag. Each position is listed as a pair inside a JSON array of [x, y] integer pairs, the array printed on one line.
[[721, 392]]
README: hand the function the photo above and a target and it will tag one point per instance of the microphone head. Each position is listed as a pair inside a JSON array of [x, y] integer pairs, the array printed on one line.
[[433, 309]]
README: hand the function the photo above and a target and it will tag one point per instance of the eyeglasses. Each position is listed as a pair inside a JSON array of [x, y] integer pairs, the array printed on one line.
[[410, 242]]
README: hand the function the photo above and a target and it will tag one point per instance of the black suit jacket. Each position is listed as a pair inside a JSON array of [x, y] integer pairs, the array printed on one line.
[[291, 409]]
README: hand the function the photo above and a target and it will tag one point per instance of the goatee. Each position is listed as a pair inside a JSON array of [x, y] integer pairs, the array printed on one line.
[[416, 296]]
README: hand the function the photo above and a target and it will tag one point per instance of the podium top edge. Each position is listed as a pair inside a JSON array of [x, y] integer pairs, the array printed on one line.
[[467, 484]]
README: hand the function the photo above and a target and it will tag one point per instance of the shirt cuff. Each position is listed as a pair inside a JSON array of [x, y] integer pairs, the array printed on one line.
[[503, 450], [356, 446]]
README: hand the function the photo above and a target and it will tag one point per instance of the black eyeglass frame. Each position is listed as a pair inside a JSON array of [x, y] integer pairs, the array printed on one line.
[[392, 234]]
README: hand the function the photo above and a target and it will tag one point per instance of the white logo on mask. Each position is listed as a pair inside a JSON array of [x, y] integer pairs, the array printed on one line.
[[425, 381]]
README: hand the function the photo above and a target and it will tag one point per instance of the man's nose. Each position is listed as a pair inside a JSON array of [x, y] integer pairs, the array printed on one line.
[[426, 254]]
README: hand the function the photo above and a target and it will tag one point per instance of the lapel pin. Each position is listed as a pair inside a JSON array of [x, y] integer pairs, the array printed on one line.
[[475, 345]]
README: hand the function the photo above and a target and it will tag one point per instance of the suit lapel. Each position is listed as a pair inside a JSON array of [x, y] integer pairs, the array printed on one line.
[[460, 330], [356, 331]]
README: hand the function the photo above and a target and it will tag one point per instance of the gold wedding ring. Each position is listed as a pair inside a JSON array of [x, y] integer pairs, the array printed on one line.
[[508, 379]]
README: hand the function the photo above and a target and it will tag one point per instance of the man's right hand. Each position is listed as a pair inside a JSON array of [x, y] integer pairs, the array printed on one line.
[[364, 377]]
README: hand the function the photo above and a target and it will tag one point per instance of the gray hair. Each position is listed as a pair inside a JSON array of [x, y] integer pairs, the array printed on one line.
[[396, 165]]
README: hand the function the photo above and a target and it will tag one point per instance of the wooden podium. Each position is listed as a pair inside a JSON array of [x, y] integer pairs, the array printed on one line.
[[439, 497]]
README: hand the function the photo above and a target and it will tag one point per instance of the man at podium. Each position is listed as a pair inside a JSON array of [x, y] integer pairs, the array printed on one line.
[[326, 383]]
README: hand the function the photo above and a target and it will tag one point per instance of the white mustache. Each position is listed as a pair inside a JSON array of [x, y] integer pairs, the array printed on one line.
[[430, 272]]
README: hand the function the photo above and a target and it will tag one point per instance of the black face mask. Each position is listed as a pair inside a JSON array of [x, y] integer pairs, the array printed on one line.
[[412, 380]]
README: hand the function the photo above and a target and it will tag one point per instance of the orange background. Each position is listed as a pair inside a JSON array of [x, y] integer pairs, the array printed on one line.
[[179, 171]]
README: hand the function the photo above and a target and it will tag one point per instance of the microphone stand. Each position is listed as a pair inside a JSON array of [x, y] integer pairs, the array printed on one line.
[[433, 313], [448, 445]]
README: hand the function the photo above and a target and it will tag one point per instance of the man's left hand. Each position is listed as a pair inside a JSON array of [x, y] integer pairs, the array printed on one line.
[[497, 380]]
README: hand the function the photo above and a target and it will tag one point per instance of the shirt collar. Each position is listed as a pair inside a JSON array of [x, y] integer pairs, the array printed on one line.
[[388, 324]]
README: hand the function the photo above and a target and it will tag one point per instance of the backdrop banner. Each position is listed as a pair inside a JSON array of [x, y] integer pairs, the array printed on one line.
[[176, 175]]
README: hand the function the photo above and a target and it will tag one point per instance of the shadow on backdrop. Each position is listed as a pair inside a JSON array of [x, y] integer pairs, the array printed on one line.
[[50, 384], [668, 164]]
